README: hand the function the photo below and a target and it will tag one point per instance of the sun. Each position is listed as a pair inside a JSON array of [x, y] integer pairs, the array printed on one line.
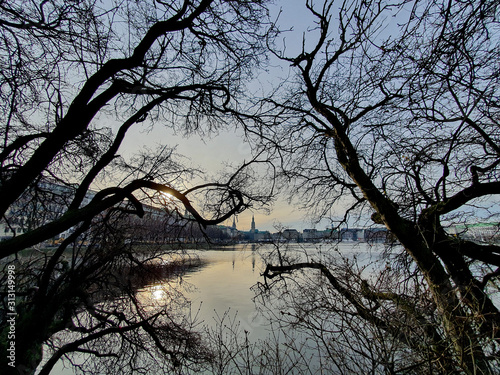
[[167, 196], [158, 295]]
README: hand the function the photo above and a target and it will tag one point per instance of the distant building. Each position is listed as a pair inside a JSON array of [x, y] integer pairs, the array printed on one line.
[[351, 234], [262, 236], [311, 235], [291, 235], [480, 232], [232, 231], [39, 205], [376, 235], [254, 235]]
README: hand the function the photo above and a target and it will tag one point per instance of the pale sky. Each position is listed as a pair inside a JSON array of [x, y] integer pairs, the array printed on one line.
[[211, 154], [229, 146]]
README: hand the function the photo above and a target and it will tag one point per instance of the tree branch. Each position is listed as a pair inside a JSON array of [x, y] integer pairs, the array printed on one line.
[[104, 200]]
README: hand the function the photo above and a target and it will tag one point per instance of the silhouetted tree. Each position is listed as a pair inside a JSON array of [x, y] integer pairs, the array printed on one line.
[[393, 113], [70, 71]]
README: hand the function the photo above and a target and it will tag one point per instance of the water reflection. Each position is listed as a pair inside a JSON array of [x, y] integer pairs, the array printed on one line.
[[225, 284], [154, 296], [219, 286], [158, 294]]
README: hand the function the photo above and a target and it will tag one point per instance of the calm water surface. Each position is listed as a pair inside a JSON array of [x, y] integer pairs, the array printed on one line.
[[223, 284]]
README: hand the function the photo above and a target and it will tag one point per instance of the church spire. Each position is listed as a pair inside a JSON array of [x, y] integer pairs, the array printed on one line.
[[253, 224]]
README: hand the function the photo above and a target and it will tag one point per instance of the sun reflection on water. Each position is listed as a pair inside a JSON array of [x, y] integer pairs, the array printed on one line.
[[157, 293], [165, 295]]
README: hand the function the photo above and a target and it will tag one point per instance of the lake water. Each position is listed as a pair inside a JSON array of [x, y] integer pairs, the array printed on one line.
[[222, 287]]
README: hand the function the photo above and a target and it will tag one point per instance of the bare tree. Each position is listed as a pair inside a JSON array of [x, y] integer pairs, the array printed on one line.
[[393, 114], [69, 72]]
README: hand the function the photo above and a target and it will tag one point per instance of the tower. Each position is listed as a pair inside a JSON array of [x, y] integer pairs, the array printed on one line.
[[252, 228], [234, 222]]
